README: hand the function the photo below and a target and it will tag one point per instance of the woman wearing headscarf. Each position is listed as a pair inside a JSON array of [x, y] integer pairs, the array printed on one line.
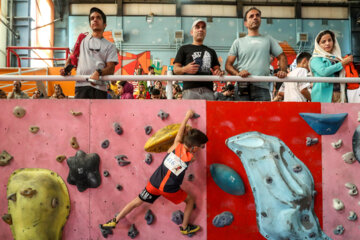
[[125, 90], [326, 61]]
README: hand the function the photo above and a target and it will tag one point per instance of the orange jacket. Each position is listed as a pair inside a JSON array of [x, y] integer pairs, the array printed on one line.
[[350, 71]]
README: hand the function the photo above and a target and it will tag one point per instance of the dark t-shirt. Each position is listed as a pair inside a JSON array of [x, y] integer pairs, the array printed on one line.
[[202, 55]]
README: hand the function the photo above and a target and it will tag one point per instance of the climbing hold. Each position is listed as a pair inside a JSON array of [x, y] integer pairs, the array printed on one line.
[[74, 144], [148, 130], [191, 177], [223, 219], [105, 231], [353, 191], [19, 112], [356, 143], [339, 230], [324, 124], [75, 113], [352, 216], [34, 129], [177, 217], [267, 159], [163, 115], [5, 158], [106, 173], [349, 157], [195, 115], [118, 129], [133, 232], [338, 204], [29, 192], [12, 197], [149, 217], [297, 168], [60, 158], [162, 140], [105, 144], [121, 160], [148, 158], [7, 218], [227, 179], [84, 170], [311, 141], [52, 199], [358, 116], [119, 187], [337, 144]]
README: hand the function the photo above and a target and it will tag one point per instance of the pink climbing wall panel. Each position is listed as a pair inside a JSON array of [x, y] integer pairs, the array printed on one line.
[[95, 206], [336, 173], [57, 127], [105, 201]]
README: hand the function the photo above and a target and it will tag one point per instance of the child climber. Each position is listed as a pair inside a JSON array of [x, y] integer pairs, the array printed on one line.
[[168, 177]]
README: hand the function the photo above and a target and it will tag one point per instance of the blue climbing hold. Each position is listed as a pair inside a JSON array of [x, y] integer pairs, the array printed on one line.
[[324, 124], [356, 143], [223, 219], [227, 179]]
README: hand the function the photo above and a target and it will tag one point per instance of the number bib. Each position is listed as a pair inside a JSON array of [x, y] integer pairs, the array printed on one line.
[[174, 164]]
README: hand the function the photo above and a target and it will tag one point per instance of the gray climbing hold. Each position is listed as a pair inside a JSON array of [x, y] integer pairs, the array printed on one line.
[[106, 173], [311, 141], [352, 216], [339, 230], [19, 112], [60, 158], [121, 160], [34, 129], [349, 157], [356, 143], [177, 217], [148, 158], [191, 177], [195, 115], [105, 144], [118, 129], [12, 197], [338, 205], [149, 217], [223, 219], [5, 158], [74, 143], [119, 187], [133, 232], [163, 115], [148, 130], [337, 144], [297, 168]]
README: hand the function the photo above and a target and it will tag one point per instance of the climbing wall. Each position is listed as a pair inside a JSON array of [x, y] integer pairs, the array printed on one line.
[[336, 173], [227, 119], [95, 206]]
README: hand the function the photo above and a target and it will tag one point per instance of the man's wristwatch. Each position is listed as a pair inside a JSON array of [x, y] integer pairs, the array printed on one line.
[[99, 71]]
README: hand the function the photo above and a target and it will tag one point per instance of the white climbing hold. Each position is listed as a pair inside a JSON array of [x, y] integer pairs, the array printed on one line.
[[349, 157], [337, 144], [338, 204]]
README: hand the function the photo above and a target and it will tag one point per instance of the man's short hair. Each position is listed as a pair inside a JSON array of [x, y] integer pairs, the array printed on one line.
[[229, 87], [303, 55], [95, 9], [150, 68], [252, 8], [194, 138], [155, 91]]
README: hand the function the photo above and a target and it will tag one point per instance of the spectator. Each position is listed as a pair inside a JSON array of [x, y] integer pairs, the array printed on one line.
[[227, 95], [253, 55], [158, 85], [37, 95], [296, 91], [327, 62], [179, 96], [2, 94], [97, 58], [155, 93], [141, 93], [58, 92], [150, 84], [197, 59], [151, 70], [16, 92], [176, 89], [125, 90]]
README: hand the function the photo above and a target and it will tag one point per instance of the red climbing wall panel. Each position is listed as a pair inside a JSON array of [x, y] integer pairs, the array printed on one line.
[[226, 119]]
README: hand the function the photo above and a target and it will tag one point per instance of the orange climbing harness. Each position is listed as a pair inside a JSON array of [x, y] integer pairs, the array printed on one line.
[[350, 71]]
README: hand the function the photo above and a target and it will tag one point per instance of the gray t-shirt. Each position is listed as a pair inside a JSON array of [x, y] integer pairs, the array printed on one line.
[[94, 54], [253, 55]]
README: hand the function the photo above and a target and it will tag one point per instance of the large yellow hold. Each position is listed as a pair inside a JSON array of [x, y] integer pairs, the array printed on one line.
[[162, 140], [38, 204]]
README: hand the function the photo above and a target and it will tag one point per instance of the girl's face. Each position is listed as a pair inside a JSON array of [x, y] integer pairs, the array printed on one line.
[[158, 84], [327, 43], [120, 89], [57, 89]]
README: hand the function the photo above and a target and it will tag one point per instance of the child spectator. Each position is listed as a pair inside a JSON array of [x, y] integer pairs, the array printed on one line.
[[141, 93], [227, 95], [296, 91], [158, 85], [168, 177], [125, 90], [37, 95], [155, 93], [2, 94], [58, 92], [176, 89]]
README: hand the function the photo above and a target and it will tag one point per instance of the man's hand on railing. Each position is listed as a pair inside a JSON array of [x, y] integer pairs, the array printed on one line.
[[281, 74], [243, 73], [217, 72]]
